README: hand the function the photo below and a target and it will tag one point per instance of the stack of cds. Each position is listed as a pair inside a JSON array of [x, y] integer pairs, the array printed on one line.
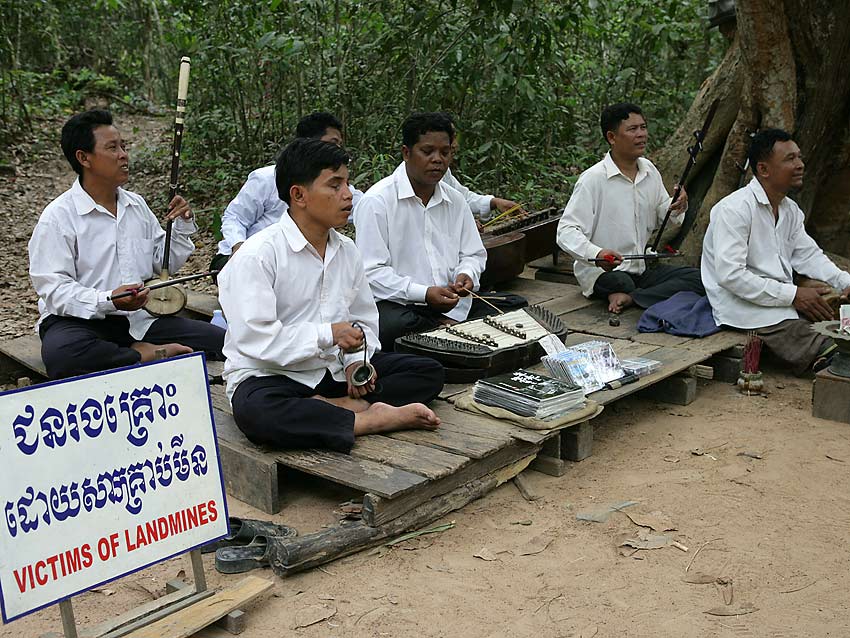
[[529, 394], [640, 366], [590, 365]]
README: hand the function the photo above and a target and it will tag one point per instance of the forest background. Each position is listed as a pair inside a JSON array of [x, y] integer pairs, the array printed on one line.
[[525, 80]]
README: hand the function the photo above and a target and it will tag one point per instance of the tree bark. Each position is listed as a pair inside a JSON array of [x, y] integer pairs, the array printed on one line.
[[786, 67]]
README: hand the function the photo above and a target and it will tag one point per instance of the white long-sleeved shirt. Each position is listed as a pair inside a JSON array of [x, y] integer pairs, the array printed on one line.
[[255, 207], [80, 252], [408, 247], [480, 204], [749, 259], [607, 210], [280, 299]]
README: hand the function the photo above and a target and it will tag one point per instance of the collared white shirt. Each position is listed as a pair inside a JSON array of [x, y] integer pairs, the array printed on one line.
[[607, 210], [480, 204], [408, 246], [749, 259], [255, 207], [280, 299], [80, 252]]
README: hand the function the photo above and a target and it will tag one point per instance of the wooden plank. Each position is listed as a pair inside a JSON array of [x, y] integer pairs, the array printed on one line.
[[534, 291], [661, 339], [422, 460], [233, 623], [569, 299], [201, 303], [186, 622], [718, 342], [483, 423], [474, 447], [594, 320], [377, 510], [149, 611], [25, 350]]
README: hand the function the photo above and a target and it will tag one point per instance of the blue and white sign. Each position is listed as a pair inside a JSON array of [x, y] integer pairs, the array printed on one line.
[[104, 475]]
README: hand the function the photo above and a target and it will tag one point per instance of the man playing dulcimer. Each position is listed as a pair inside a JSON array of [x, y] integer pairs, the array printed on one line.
[[96, 241], [615, 206]]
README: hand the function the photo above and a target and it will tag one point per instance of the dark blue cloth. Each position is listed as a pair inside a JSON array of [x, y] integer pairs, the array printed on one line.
[[685, 314]]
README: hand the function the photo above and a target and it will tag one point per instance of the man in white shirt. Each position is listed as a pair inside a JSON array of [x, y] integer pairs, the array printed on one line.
[[615, 207], [257, 204], [302, 320], [97, 240], [419, 242], [756, 240]]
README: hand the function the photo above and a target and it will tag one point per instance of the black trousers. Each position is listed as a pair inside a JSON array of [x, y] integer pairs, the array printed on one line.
[[396, 320], [218, 262], [71, 346], [279, 412], [654, 285]]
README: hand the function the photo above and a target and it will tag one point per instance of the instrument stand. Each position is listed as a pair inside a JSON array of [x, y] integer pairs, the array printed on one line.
[[142, 615]]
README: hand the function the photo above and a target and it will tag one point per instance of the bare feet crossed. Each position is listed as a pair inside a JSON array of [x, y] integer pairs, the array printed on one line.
[[149, 350], [618, 301], [381, 417]]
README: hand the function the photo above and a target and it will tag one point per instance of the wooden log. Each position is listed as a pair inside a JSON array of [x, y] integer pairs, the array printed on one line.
[[523, 484], [288, 556]]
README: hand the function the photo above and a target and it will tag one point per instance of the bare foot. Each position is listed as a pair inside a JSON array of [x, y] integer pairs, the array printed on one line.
[[150, 351], [381, 417], [355, 405], [619, 301]]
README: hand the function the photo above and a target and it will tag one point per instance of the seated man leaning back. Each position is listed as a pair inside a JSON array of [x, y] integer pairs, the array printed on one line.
[[300, 312], [420, 245], [616, 205], [97, 240], [257, 204], [756, 240]]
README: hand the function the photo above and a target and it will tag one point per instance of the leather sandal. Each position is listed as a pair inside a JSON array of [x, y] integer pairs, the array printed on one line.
[[244, 530]]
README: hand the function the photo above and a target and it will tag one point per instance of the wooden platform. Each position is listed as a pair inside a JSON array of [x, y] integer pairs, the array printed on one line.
[[400, 471]]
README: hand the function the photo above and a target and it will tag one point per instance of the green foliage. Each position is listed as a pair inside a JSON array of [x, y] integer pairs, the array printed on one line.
[[525, 79]]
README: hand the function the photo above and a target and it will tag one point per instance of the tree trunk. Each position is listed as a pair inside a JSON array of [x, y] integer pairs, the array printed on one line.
[[786, 68]]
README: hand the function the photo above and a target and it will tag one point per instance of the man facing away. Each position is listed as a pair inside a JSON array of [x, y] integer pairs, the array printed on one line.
[[95, 241], [418, 238], [300, 313], [756, 240], [615, 207], [257, 204]]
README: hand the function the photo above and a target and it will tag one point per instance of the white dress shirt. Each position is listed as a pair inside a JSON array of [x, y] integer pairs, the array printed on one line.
[[408, 247], [607, 210], [80, 253], [280, 299], [749, 259], [255, 207], [480, 204]]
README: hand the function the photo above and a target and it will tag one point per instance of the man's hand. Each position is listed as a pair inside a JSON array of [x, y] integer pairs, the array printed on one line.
[[845, 294], [810, 303], [501, 205], [610, 259], [681, 204], [178, 207], [441, 298], [462, 285], [236, 247], [356, 392], [346, 336], [133, 302]]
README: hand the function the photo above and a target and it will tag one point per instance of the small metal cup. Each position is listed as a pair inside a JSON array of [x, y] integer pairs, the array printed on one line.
[[362, 374]]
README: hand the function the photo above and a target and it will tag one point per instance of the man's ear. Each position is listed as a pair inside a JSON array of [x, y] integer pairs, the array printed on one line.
[[609, 137], [82, 158], [758, 170], [297, 193], [405, 153]]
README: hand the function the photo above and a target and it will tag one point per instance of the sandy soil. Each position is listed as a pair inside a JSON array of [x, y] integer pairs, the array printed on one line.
[[773, 529]]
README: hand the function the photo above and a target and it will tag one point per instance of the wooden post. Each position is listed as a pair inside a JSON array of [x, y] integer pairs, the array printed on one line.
[[198, 570], [69, 625]]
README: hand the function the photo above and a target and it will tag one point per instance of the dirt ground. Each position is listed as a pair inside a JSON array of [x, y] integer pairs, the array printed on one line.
[[770, 532]]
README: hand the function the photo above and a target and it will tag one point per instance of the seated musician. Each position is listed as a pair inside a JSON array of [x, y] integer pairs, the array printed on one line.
[[616, 205], [420, 246], [756, 239], [298, 308], [257, 204], [97, 240]]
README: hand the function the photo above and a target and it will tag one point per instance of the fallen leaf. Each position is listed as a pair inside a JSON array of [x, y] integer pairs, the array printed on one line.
[[647, 540], [485, 554], [603, 514], [313, 614], [700, 578], [536, 545], [650, 520], [732, 610], [671, 459]]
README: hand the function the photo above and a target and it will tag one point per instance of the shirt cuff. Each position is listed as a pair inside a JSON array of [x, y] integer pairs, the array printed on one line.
[[486, 205], [416, 292], [352, 357], [325, 336], [787, 292], [843, 281], [185, 226], [591, 251], [104, 305]]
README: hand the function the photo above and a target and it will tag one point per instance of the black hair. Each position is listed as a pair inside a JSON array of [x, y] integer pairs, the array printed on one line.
[[303, 160], [78, 135], [418, 124], [315, 124], [761, 146], [614, 114]]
